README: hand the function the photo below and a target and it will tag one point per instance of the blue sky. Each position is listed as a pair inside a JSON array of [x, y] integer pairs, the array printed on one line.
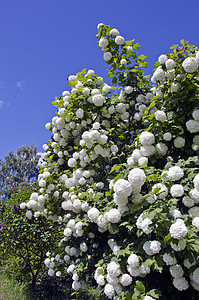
[[42, 42]]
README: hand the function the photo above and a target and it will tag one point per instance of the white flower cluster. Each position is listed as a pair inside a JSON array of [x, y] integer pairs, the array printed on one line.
[[178, 230]]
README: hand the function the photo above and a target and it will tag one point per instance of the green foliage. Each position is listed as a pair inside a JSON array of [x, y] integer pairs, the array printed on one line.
[[26, 240], [20, 168]]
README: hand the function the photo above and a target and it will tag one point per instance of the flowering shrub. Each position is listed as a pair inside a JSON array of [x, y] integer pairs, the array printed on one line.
[[24, 242], [121, 175]]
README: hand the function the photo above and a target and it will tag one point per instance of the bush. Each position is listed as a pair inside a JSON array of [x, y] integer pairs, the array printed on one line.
[[121, 175]]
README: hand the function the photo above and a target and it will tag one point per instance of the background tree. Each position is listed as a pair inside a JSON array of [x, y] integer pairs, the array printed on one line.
[[19, 168]]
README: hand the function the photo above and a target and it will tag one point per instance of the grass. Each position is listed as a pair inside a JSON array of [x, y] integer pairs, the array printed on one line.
[[9, 288]]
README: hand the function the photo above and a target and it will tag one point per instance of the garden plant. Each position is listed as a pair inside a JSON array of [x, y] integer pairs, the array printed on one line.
[[121, 176]]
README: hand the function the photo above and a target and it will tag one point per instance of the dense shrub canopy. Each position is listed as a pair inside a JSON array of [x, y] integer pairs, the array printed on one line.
[[121, 175]]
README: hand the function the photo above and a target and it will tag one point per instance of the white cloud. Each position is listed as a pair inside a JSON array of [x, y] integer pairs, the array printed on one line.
[[2, 103], [20, 84]]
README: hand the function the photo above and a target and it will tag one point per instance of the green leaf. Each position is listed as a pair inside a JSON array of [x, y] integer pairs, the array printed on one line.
[[140, 286], [116, 168], [129, 43], [154, 293], [182, 42]]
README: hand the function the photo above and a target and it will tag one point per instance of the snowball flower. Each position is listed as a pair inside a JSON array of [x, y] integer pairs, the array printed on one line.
[[162, 59], [167, 136], [119, 40], [175, 173], [93, 214], [180, 246], [160, 116], [195, 114], [169, 260], [114, 216], [128, 89], [109, 291], [98, 100], [123, 187], [147, 138], [178, 230], [113, 269], [162, 190], [158, 75], [177, 190], [103, 42], [196, 275], [170, 64], [114, 32], [179, 142], [147, 150], [72, 78], [107, 56], [67, 232], [176, 271], [155, 247], [72, 162], [195, 222], [100, 280], [80, 113], [148, 298], [136, 177], [190, 65], [180, 283], [125, 279], [51, 272], [133, 260], [161, 149], [29, 214], [192, 126], [196, 181]]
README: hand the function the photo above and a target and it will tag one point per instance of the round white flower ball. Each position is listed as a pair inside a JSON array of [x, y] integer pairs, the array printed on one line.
[[114, 216], [162, 190], [72, 78], [178, 230], [103, 42], [175, 173], [180, 283], [29, 214], [192, 126], [162, 59], [169, 260], [109, 291], [128, 89], [133, 260], [160, 116], [170, 64], [113, 269], [125, 279], [167, 136], [119, 40], [136, 177], [190, 65], [93, 214], [51, 272], [147, 138], [195, 222], [179, 142], [195, 114], [177, 190], [72, 162], [176, 271], [114, 32], [107, 56]]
